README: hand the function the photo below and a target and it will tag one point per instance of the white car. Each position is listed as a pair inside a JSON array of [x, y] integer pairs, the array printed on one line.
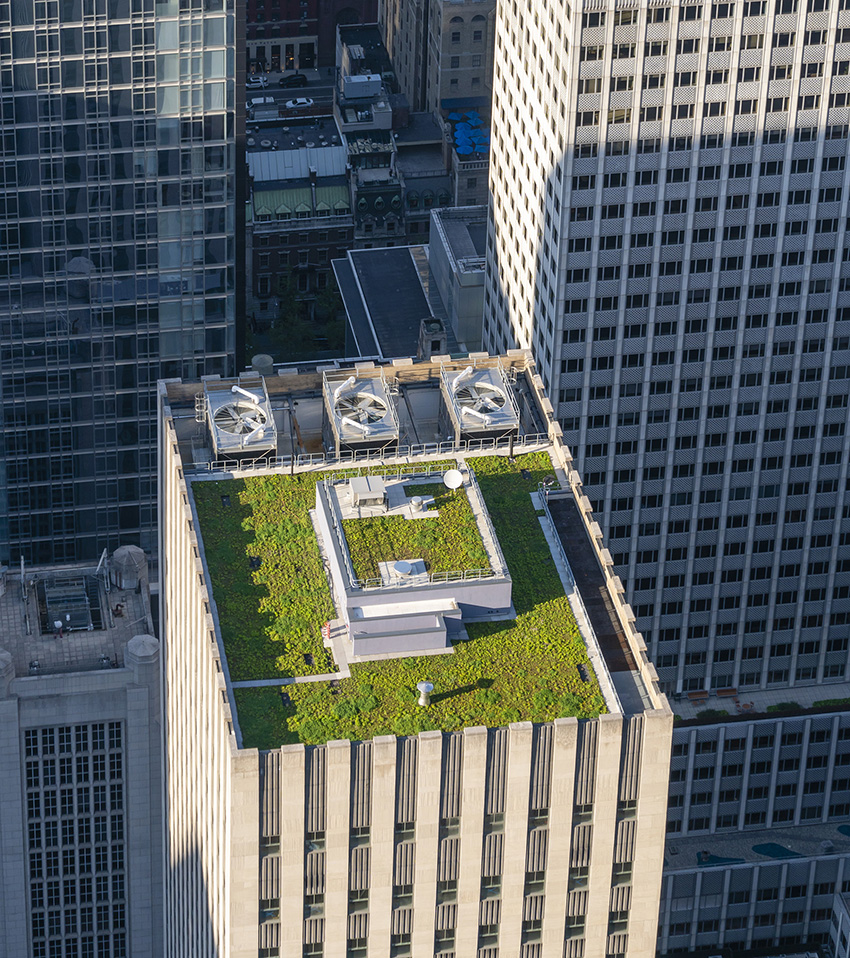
[[299, 103], [257, 82]]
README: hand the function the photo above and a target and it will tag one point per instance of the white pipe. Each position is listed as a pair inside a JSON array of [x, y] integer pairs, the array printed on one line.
[[458, 379], [357, 425], [244, 392], [348, 382], [479, 415], [257, 432]]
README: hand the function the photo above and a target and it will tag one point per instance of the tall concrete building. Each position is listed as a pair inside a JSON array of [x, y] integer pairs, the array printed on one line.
[[119, 241], [442, 50], [669, 235], [80, 762], [447, 745]]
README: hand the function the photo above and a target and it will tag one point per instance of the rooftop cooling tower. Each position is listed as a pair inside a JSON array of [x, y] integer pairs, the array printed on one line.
[[360, 413], [479, 403], [240, 418]]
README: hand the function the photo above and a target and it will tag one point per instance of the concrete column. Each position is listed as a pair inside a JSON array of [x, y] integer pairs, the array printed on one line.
[[7, 672], [516, 836], [382, 837], [473, 779], [650, 828], [143, 823], [244, 815], [13, 901], [337, 846], [427, 842], [560, 834], [607, 775], [292, 849]]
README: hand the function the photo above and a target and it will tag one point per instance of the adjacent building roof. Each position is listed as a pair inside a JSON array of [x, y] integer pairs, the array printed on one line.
[[331, 199], [384, 299], [296, 164]]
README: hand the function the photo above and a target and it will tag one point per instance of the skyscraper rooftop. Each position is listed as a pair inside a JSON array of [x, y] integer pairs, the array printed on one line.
[[402, 687]]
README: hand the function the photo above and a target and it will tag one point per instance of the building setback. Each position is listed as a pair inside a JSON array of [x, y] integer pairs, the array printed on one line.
[[534, 838], [120, 235]]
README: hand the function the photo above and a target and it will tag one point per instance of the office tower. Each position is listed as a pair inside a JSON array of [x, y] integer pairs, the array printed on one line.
[[668, 234], [80, 762], [120, 233], [757, 842], [441, 51], [370, 747]]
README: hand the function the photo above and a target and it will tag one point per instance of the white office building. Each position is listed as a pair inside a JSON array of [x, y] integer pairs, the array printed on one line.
[[668, 234]]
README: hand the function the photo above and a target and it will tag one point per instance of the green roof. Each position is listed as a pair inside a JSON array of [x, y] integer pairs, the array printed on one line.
[[334, 197], [271, 619]]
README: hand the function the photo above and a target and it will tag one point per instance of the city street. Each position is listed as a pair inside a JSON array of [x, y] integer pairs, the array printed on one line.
[[319, 89]]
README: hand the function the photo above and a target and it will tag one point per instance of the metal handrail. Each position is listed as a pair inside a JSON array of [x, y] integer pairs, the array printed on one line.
[[466, 575], [528, 442]]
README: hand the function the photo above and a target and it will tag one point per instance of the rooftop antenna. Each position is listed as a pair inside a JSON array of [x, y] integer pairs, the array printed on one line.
[[425, 690]]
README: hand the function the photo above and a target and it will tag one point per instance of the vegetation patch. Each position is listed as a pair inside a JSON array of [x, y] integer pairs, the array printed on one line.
[[832, 703], [450, 542], [271, 616], [520, 670]]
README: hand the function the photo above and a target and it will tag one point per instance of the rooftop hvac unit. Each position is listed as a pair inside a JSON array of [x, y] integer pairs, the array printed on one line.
[[240, 418], [359, 414], [479, 403]]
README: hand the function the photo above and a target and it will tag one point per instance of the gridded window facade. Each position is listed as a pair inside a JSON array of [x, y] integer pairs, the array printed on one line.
[[75, 808], [117, 255], [679, 262]]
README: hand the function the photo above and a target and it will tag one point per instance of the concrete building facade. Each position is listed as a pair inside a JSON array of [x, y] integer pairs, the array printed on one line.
[[441, 51], [668, 235], [80, 767], [531, 839]]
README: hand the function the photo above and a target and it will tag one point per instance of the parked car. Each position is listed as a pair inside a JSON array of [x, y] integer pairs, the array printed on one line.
[[257, 82], [293, 80], [299, 103]]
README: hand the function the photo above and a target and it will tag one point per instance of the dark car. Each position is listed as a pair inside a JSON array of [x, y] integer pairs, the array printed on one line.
[[294, 79]]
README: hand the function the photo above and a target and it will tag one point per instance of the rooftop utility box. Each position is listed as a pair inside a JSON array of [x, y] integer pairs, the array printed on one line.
[[240, 418], [364, 85], [478, 403], [359, 413], [368, 491]]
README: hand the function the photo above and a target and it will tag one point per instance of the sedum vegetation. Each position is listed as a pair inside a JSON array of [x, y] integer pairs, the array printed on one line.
[[448, 543], [525, 669]]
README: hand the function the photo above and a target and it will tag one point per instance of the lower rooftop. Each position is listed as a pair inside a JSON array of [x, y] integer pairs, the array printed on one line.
[[96, 624]]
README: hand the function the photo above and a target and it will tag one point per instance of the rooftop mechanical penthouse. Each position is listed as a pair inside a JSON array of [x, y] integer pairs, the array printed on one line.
[[407, 709]]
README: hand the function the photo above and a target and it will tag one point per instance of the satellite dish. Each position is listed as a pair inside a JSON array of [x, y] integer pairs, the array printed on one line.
[[453, 479]]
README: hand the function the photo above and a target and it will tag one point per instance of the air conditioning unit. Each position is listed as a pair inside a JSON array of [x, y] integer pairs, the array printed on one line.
[[240, 418], [478, 403], [359, 413]]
